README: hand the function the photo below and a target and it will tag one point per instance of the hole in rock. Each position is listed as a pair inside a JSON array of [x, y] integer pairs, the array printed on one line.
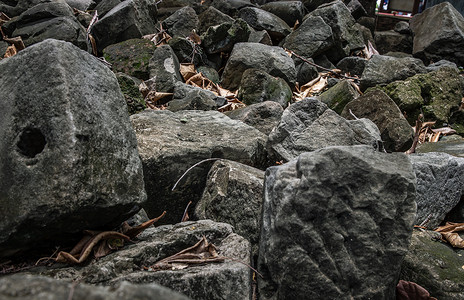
[[31, 142]]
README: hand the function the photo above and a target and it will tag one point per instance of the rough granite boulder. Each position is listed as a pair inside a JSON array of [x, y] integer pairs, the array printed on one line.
[[336, 222], [223, 37], [212, 17], [289, 11], [439, 34], [352, 64], [69, 161], [271, 59], [260, 19], [339, 95], [440, 181], [130, 89], [396, 133], [164, 69], [392, 41], [263, 116], [309, 124], [182, 22], [170, 143]]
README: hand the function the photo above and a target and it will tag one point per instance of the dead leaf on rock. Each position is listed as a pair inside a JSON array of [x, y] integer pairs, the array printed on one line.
[[187, 71], [407, 290], [449, 233], [10, 51], [4, 18], [160, 38]]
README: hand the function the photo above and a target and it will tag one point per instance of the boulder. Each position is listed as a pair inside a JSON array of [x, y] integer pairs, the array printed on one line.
[[231, 7], [131, 57], [261, 37], [70, 160], [170, 143], [392, 41], [309, 124], [313, 4], [382, 69], [336, 222], [27, 286], [82, 5], [289, 11], [305, 72], [260, 19], [182, 22], [130, 89], [128, 20], [15, 8], [402, 27], [440, 180], [231, 185], [352, 64], [356, 9], [453, 144], [313, 37], [196, 99], [223, 37], [435, 266], [187, 52], [439, 34], [104, 6], [50, 20], [396, 133], [339, 95], [164, 68], [270, 59], [442, 64], [212, 17], [263, 116], [258, 86]]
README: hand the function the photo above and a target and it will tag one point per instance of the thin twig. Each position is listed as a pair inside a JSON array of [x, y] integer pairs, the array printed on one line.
[[71, 291], [418, 129], [185, 213], [48, 258], [354, 116], [242, 262], [188, 170]]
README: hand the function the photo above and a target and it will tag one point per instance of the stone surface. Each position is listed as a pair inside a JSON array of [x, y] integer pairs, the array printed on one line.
[[270, 59], [260, 19], [231, 7], [402, 27], [262, 116], [435, 266], [231, 185], [305, 71], [185, 52], [72, 154], [25, 287], [336, 222], [258, 86], [196, 99], [223, 37], [15, 8], [289, 11], [164, 67], [440, 180], [356, 9], [170, 143], [131, 57], [130, 89], [212, 17], [261, 37], [309, 124], [453, 145], [339, 95], [392, 41], [128, 20], [395, 131], [381, 69], [439, 34], [442, 64], [352, 64], [182, 22]]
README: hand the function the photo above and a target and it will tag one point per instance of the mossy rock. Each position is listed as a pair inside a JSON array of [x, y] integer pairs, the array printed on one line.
[[131, 57], [339, 95], [130, 90]]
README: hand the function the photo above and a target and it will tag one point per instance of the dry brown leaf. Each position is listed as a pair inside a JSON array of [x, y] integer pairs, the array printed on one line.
[[4, 18], [444, 130], [94, 44], [10, 51], [406, 290], [296, 25], [194, 37], [451, 227], [454, 239], [187, 71]]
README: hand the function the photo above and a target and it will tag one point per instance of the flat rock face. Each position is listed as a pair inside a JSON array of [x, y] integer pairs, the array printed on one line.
[[262, 116], [68, 153], [336, 222], [440, 180], [439, 34], [309, 125], [170, 143], [260, 19]]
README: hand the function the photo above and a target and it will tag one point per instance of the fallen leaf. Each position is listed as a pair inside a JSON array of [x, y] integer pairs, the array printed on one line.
[[449, 233], [132, 232], [187, 70], [10, 51], [406, 290]]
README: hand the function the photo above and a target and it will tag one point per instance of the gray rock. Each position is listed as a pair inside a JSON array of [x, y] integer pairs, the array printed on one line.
[[309, 125], [368, 22], [289, 11], [80, 4], [130, 89], [165, 69], [128, 20], [231, 7], [305, 72], [273, 60], [3, 47], [260, 19], [392, 41], [231, 185], [402, 27], [209, 73], [353, 64], [104, 6], [381, 69], [356, 9], [346, 37], [50, 20], [182, 22], [15, 8], [397, 135], [223, 37], [439, 34], [440, 178], [313, 4], [260, 37], [339, 95], [187, 52], [72, 154], [442, 64], [453, 145], [212, 17], [313, 37], [324, 230], [262, 116], [258, 86], [435, 266], [26, 286], [196, 99], [170, 143]]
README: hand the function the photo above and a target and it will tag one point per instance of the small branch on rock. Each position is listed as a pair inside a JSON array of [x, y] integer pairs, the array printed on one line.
[[185, 216], [416, 134], [188, 170]]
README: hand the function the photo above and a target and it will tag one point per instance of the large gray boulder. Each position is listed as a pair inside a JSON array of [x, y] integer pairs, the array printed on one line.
[[309, 125], [439, 34], [271, 59], [336, 222], [69, 161], [164, 69], [440, 181], [170, 143], [27, 286], [212, 17], [263, 116], [392, 41], [260, 19], [182, 22], [339, 95], [15, 8], [223, 37], [289, 11]]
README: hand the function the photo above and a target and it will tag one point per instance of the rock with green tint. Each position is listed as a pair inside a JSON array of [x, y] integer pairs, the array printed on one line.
[[131, 57], [435, 266], [223, 37], [436, 94], [258, 86], [130, 89], [339, 95]]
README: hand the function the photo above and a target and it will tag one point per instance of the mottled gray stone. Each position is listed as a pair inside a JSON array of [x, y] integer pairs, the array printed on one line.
[[289, 11], [392, 41], [182, 22], [339, 95], [212, 17], [263, 116], [223, 37], [164, 68]]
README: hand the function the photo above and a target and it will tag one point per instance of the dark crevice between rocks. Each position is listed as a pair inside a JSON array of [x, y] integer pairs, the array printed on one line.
[[31, 142]]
